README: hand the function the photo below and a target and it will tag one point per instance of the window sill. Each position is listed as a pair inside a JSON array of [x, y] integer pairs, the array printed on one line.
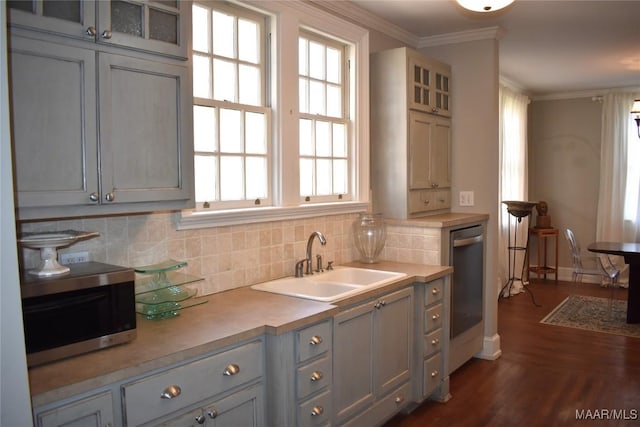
[[203, 219]]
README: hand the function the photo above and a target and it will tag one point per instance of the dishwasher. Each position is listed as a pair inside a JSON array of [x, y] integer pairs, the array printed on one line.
[[466, 255]]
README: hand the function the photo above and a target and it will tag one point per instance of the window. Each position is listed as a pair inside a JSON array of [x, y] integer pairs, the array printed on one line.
[[281, 113], [323, 136], [231, 122]]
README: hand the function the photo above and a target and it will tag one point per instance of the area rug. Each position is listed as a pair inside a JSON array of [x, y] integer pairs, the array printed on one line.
[[591, 313]]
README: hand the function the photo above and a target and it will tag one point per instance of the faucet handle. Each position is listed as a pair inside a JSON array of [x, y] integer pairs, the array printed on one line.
[[300, 268], [329, 265]]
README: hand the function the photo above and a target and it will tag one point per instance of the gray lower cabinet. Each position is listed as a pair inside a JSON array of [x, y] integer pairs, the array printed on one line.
[[299, 374], [432, 340], [97, 133], [373, 352], [92, 411]]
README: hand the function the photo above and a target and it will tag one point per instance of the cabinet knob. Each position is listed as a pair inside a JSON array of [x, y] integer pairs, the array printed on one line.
[[434, 374], [399, 400], [171, 392], [435, 341], [315, 340], [200, 419], [316, 376], [110, 196], [106, 34], [435, 291], [230, 370], [435, 317], [317, 410], [94, 197], [213, 414], [91, 31]]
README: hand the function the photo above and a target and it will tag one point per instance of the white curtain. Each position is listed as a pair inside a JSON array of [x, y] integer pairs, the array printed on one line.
[[618, 215], [513, 182]]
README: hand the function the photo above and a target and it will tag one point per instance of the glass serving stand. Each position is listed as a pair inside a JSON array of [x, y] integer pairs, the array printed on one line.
[[164, 292]]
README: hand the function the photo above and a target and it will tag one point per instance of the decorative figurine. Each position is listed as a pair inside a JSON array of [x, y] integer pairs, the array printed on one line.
[[543, 220]]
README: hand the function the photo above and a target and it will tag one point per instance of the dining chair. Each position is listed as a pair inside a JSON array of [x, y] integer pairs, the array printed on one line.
[[593, 265]]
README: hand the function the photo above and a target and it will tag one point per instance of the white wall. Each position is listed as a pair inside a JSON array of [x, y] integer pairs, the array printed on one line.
[[15, 404]]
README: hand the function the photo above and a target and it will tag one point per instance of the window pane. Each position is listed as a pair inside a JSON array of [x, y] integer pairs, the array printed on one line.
[[334, 65], [316, 60], [307, 171], [201, 77], [126, 18], [230, 131], [303, 93], [231, 178], [69, 10], [223, 34], [303, 52], [248, 41], [255, 131], [324, 177], [340, 176], [306, 138], [163, 26], [323, 139], [256, 178], [204, 129], [224, 80], [200, 29], [250, 87], [316, 98], [339, 140], [334, 101], [206, 174]]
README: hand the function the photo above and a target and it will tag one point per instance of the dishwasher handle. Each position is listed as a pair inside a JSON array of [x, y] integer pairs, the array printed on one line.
[[468, 241]]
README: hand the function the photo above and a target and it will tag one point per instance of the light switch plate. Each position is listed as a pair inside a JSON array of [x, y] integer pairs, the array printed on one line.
[[466, 198]]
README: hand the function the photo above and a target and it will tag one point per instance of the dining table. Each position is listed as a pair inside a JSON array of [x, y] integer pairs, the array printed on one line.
[[631, 254]]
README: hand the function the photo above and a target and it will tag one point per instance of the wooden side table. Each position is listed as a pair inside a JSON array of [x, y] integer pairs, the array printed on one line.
[[543, 268]]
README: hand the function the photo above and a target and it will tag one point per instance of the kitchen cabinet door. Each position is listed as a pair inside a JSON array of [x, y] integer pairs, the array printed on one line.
[[430, 148], [53, 97], [96, 411], [145, 131]]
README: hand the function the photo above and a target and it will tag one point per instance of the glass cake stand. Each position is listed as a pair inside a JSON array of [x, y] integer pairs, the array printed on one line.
[[48, 243]]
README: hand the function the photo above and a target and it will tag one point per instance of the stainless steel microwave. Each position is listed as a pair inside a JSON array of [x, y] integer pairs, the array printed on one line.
[[91, 307]]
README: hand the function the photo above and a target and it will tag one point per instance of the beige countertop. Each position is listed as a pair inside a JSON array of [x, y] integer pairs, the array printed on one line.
[[445, 220], [227, 318]]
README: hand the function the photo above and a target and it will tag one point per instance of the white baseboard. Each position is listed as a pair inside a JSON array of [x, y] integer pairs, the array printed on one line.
[[490, 348]]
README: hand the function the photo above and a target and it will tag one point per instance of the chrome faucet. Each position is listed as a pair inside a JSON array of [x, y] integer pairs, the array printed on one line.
[[323, 242]]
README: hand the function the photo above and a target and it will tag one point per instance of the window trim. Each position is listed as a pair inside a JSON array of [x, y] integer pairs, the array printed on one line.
[[290, 19]]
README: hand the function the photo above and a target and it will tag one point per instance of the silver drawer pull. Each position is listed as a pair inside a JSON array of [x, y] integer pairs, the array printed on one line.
[[317, 410], [435, 341], [434, 374], [171, 392], [316, 376], [435, 317], [399, 399], [213, 414], [315, 340], [231, 370], [435, 291], [200, 419]]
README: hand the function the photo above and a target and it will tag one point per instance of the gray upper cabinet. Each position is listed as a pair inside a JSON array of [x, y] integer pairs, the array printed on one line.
[[98, 131], [160, 27]]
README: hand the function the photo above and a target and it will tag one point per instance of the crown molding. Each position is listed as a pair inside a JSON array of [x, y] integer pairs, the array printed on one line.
[[591, 93], [348, 10], [461, 37]]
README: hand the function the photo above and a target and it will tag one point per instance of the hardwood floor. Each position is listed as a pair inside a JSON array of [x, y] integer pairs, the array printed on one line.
[[545, 374]]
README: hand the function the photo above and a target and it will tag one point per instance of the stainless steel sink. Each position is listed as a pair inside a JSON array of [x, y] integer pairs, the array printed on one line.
[[330, 285]]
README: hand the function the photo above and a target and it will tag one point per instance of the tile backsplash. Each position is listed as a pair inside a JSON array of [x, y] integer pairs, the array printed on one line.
[[231, 256]]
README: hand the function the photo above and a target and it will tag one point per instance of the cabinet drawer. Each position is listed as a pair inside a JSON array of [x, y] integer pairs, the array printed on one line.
[[195, 381], [313, 341], [442, 199], [421, 201], [433, 318], [432, 342], [432, 374], [313, 377], [315, 411], [383, 409], [433, 292]]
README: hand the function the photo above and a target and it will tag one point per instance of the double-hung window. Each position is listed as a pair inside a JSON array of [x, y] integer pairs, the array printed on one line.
[[232, 142]]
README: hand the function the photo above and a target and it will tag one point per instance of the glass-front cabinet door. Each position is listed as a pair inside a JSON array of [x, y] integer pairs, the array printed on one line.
[[159, 26]]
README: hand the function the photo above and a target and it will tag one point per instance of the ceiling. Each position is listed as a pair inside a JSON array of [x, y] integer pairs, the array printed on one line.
[[547, 46]]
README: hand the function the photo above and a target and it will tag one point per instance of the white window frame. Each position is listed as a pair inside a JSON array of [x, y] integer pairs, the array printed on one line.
[[289, 18]]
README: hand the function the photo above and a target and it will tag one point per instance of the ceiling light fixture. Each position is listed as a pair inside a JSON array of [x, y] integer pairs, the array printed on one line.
[[636, 110], [484, 5]]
